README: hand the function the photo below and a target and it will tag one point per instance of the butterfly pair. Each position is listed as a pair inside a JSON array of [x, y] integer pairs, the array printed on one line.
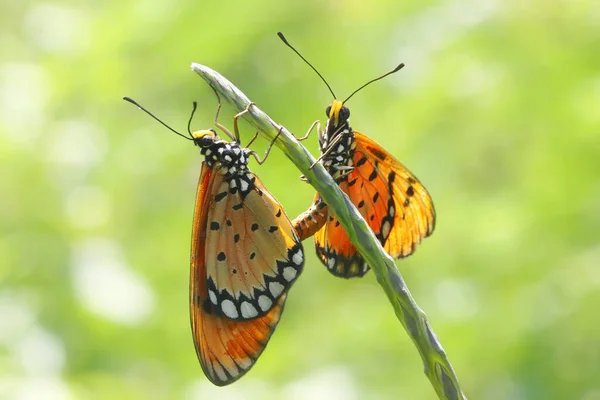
[[246, 253], [245, 256], [395, 204]]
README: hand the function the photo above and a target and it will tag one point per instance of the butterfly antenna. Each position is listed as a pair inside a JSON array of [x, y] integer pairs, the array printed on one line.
[[156, 118], [398, 68], [194, 106], [306, 61]]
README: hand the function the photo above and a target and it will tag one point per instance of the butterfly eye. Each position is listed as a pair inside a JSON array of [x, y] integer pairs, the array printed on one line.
[[328, 110], [344, 114], [204, 141]]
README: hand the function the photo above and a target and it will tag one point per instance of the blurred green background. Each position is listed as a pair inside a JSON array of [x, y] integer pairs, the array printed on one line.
[[497, 111]]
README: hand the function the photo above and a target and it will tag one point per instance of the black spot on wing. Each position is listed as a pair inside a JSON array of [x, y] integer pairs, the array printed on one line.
[[373, 175], [377, 153], [391, 178], [361, 161], [220, 196]]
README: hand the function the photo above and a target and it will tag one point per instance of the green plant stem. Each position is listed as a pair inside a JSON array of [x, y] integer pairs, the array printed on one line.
[[436, 364]]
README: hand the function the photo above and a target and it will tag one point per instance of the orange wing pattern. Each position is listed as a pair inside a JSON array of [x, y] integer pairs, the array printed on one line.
[[253, 255], [412, 216], [394, 203], [245, 257]]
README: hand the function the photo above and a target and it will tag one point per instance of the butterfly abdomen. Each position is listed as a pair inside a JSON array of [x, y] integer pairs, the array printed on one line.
[[313, 219]]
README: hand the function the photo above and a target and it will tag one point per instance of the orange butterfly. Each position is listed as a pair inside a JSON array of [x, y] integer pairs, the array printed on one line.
[[394, 203], [245, 257]]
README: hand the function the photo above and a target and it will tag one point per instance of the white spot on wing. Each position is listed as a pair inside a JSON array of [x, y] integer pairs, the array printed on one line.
[[392, 211], [212, 296], [331, 262], [385, 229], [248, 310], [232, 183], [289, 273], [229, 308], [276, 289], [264, 303], [298, 258], [244, 185]]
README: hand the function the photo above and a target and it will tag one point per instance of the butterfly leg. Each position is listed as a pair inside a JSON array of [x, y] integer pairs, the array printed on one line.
[[235, 121], [329, 150], [252, 140], [317, 123], [344, 170], [258, 160], [216, 122]]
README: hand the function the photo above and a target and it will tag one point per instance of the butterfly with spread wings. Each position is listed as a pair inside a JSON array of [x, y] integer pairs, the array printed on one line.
[[245, 256], [395, 204]]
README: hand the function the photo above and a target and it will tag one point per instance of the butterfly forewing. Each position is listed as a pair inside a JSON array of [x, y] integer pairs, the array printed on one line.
[[253, 254], [412, 217], [226, 348], [245, 257]]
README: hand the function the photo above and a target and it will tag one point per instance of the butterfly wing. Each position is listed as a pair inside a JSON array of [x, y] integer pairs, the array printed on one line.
[[394, 203], [228, 347], [253, 253], [410, 215]]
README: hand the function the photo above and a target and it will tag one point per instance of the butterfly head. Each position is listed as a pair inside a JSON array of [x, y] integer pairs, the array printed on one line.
[[229, 155], [205, 138], [337, 125], [337, 113]]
